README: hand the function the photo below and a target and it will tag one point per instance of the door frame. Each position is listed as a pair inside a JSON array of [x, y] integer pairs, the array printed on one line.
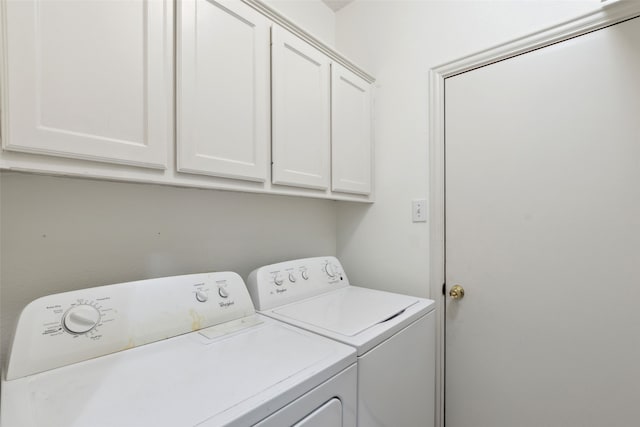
[[611, 12]]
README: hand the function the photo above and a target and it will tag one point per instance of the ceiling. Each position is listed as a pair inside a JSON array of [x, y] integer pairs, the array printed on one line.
[[336, 5]]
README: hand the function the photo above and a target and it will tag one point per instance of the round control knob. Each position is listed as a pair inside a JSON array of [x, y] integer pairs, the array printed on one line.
[[278, 280], [305, 275], [223, 292], [292, 278], [81, 319], [202, 296], [330, 270]]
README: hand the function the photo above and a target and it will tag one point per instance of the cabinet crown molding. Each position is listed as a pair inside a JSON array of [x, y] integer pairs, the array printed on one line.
[[285, 22]]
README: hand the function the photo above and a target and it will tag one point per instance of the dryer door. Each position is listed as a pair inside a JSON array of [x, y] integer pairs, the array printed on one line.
[[328, 415], [331, 404]]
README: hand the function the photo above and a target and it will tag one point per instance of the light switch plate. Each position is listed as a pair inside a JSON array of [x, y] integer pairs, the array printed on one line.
[[419, 210]]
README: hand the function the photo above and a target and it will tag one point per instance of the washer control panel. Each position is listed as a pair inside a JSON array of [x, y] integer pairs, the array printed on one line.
[[70, 327], [286, 282]]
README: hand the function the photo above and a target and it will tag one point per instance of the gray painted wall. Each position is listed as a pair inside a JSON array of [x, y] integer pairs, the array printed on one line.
[[60, 234], [398, 42]]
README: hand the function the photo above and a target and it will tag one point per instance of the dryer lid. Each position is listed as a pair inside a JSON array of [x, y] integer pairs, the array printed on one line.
[[348, 311]]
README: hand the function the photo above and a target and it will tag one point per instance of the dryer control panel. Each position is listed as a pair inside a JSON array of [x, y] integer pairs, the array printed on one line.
[[286, 282], [70, 327]]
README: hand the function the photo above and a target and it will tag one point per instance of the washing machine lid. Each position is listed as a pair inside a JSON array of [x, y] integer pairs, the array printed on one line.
[[349, 311], [228, 375]]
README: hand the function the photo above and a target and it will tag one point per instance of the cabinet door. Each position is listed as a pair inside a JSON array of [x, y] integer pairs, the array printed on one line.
[[223, 90], [301, 121], [350, 132], [89, 79]]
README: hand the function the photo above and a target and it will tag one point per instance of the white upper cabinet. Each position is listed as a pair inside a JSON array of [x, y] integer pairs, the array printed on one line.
[[223, 105], [228, 95], [89, 79], [350, 132], [301, 112]]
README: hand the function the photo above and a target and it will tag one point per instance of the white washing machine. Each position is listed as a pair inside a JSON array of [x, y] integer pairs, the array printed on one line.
[[393, 334], [177, 352]]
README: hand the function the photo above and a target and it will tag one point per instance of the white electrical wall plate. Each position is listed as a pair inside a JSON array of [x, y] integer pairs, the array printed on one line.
[[419, 210]]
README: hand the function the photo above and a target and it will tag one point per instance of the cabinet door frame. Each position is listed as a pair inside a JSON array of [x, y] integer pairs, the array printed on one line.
[[350, 152], [283, 171], [22, 129], [189, 158]]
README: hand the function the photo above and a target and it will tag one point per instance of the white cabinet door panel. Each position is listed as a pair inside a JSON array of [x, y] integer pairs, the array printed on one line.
[[301, 120], [223, 90], [350, 132], [89, 79]]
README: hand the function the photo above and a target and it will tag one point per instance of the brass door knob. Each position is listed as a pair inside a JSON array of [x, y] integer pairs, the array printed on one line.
[[456, 292]]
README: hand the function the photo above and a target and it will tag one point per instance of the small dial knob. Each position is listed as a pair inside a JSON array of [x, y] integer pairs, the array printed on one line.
[[305, 275], [222, 291], [202, 296], [292, 278], [278, 280], [330, 270], [81, 319]]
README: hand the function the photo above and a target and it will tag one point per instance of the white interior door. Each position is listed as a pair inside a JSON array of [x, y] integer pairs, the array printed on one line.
[[543, 233]]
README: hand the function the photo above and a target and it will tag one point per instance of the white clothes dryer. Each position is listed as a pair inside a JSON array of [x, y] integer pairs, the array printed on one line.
[[177, 352], [394, 334]]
